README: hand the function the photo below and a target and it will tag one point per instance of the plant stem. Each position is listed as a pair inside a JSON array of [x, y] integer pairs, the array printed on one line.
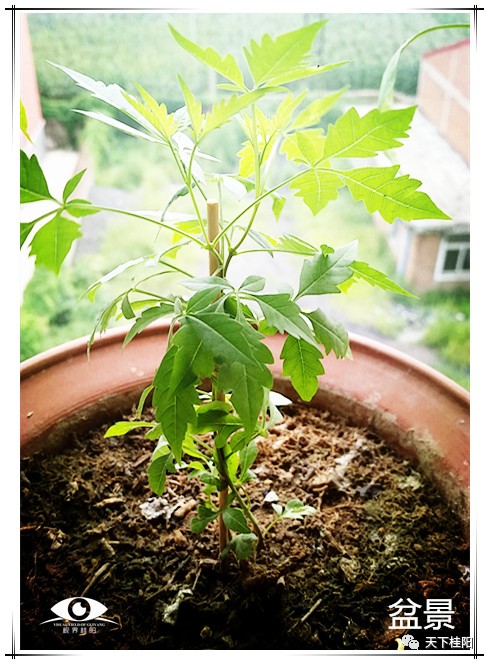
[[215, 268]]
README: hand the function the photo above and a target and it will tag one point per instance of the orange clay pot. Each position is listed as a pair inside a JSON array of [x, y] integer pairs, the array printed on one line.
[[416, 409]]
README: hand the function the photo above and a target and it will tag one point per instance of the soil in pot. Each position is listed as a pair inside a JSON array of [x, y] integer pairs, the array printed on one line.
[[381, 533]]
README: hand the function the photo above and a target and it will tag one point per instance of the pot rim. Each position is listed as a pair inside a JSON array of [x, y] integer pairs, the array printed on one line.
[[79, 346]]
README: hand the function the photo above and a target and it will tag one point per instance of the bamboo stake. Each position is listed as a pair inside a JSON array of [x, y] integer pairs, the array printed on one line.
[[215, 269]]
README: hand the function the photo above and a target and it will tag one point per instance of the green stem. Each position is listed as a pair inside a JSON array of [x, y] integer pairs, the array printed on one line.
[[135, 215], [258, 200], [246, 510]]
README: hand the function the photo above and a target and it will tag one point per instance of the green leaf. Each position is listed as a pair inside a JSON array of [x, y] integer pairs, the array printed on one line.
[[225, 109], [23, 122], [247, 391], [79, 207], [203, 518], [72, 184], [203, 299], [313, 113], [174, 411], [235, 519], [278, 206], [247, 457], [374, 277], [322, 274], [33, 185], [253, 284], [390, 72], [157, 470], [148, 316], [295, 509], [194, 107], [275, 58], [53, 241], [201, 283], [331, 333], [116, 124], [121, 428], [243, 545], [392, 197], [284, 314], [226, 66], [353, 136], [93, 288], [126, 308], [142, 399], [305, 147], [302, 364], [317, 188], [25, 229]]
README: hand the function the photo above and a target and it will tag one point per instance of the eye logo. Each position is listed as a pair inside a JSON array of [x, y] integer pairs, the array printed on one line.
[[78, 609]]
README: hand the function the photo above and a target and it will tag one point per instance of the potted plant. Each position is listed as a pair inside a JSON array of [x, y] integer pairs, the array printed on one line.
[[217, 357]]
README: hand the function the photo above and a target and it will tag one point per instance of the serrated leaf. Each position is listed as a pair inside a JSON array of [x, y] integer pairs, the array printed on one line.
[[226, 66], [33, 185], [72, 184], [272, 58], [317, 188], [355, 136], [92, 289], [174, 411], [121, 428], [284, 314], [179, 193], [225, 109], [303, 72], [323, 273], [305, 147], [313, 113], [302, 364], [331, 333], [23, 122], [148, 316], [243, 545], [393, 197], [52, 242], [235, 520], [374, 277], [157, 471], [253, 284]]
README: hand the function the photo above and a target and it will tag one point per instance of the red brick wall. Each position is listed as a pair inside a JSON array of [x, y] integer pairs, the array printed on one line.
[[443, 93]]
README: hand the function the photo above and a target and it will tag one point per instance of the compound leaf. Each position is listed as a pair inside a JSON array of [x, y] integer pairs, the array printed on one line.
[[52, 242], [331, 333]]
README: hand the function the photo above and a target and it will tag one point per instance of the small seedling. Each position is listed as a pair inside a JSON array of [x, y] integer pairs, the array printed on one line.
[[211, 393]]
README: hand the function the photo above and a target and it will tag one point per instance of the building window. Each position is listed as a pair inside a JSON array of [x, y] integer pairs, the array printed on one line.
[[453, 262]]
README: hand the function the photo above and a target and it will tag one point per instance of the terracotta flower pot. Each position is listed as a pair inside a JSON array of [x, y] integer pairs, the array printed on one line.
[[422, 413]]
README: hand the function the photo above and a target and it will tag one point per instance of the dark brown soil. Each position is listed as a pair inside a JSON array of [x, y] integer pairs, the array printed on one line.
[[381, 533]]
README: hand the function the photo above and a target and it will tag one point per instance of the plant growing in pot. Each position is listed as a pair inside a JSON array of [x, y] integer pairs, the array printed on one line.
[[212, 392]]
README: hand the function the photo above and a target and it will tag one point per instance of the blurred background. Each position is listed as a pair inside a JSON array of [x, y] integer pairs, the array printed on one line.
[[431, 259]]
